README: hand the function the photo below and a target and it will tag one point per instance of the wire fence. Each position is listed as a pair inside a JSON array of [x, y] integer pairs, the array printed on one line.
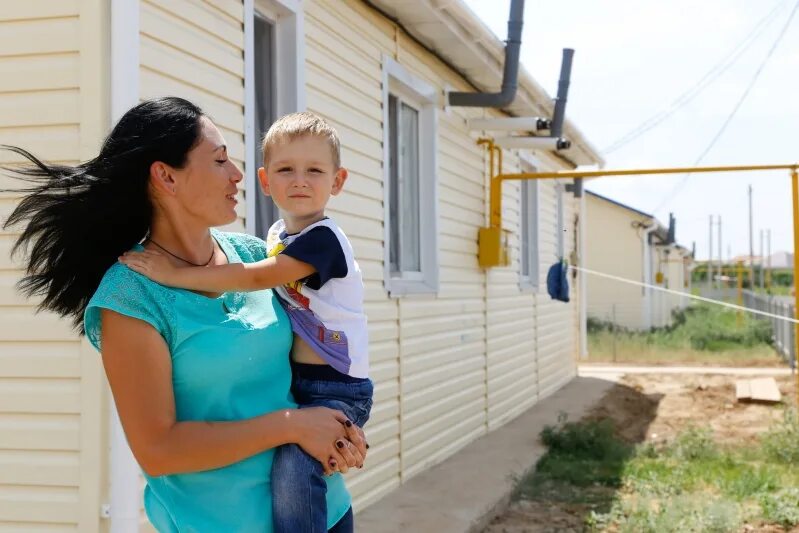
[[784, 331]]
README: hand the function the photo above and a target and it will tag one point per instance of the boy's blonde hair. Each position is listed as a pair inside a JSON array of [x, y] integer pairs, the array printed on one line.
[[296, 125]]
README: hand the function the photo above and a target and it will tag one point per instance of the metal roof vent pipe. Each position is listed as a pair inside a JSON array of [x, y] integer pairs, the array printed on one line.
[[672, 229], [559, 114], [510, 76]]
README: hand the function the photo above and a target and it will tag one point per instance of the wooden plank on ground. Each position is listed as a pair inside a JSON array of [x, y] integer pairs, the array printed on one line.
[[743, 390], [757, 390]]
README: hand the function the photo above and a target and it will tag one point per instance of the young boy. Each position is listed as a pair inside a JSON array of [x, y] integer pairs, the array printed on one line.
[[313, 270]]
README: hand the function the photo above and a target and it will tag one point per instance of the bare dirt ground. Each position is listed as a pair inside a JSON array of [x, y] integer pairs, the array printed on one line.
[[655, 408]]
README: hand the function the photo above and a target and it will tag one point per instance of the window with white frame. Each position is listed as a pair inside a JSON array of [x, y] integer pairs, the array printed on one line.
[[410, 176], [274, 43], [528, 232], [266, 212]]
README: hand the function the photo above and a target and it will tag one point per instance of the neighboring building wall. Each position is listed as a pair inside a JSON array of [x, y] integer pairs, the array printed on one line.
[[675, 275], [53, 102], [614, 247]]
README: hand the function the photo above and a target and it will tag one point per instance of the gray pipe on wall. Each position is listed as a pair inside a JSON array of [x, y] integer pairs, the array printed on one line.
[[510, 76], [559, 114]]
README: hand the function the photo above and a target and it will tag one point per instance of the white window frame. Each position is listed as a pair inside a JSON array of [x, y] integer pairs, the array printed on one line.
[[398, 81], [288, 19], [531, 202]]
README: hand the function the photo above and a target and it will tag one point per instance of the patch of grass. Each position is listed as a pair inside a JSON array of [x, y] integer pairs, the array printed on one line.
[[701, 333], [584, 459], [781, 443], [694, 444], [777, 290], [682, 514], [690, 484], [781, 508]]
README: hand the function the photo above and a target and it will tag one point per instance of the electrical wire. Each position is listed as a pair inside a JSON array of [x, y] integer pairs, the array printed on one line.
[[685, 294], [710, 76], [734, 111]]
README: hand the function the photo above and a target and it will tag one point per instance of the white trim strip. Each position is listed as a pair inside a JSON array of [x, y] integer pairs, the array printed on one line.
[[124, 56], [124, 493], [250, 182]]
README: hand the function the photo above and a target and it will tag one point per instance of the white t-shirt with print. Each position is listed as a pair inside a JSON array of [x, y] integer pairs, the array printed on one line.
[[326, 308]]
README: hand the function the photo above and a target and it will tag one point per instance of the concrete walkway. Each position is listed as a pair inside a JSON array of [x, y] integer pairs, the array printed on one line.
[[465, 492], [615, 372]]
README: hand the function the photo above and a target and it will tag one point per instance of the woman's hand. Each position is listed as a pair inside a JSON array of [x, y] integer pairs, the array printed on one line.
[[152, 264], [330, 437]]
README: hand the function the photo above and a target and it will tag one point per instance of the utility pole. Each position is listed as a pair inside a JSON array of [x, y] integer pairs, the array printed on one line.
[[762, 259], [721, 257], [710, 256], [768, 260], [751, 242]]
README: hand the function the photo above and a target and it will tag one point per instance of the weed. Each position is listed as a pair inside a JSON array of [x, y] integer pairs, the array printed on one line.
[[781, 443], [694, 444], [782, 507]]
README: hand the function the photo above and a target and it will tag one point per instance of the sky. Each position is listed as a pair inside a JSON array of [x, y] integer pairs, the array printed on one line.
[[634, 58]]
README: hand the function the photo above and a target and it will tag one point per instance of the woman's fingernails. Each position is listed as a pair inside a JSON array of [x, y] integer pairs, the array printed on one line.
[[348, 423], [339, 444]]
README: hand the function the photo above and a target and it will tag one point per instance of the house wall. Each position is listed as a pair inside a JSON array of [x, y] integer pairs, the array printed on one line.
[[53, 102], [448, 367], [614, 247], [195, 49]]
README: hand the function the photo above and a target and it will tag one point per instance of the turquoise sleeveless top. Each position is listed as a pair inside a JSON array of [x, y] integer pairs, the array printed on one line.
[[230, 361]]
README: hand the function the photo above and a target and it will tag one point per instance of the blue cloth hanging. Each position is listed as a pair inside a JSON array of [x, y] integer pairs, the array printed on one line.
[[558, 281]]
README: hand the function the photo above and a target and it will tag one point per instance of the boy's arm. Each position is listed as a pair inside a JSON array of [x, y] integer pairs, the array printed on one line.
[[264, 274]]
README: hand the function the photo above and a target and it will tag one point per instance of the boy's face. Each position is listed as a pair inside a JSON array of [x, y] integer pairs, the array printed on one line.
[[300, 176]]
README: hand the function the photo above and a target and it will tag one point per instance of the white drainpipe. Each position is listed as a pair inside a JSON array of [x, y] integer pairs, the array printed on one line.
[[125, 494], [648, 276], [583, 281]]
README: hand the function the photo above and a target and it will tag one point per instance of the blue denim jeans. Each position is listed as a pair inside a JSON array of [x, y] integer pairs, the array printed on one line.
[[298, 484], [345, 525]]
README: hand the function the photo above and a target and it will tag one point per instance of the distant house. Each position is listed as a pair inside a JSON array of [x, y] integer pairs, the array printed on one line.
[[777, 260], [780, 260], [628, 243], [456, 350]]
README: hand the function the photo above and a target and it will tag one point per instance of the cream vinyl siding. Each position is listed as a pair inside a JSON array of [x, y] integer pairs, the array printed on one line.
[[50, 393], [532, 339], [194, 49], [510, 319], [343, 84], [449, 366], [614, 247], [557, 326]]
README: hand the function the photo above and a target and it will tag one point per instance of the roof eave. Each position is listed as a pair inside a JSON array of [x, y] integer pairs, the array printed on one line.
[[452, 32]]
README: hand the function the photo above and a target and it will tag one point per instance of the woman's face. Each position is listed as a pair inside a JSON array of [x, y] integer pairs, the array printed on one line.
[[205, 188]]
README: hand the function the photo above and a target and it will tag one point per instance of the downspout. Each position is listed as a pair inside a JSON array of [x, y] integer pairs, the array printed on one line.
[[123, 508], [648, 230], [510, 76], [583, 282]]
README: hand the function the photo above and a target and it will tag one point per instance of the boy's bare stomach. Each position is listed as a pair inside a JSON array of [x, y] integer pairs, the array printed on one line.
[[301, 352]]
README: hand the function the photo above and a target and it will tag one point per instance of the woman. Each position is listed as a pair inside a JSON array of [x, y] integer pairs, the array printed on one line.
[[201, 381]]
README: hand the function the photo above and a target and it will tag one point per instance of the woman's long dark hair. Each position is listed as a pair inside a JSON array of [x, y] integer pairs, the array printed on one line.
[[81, 219]]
